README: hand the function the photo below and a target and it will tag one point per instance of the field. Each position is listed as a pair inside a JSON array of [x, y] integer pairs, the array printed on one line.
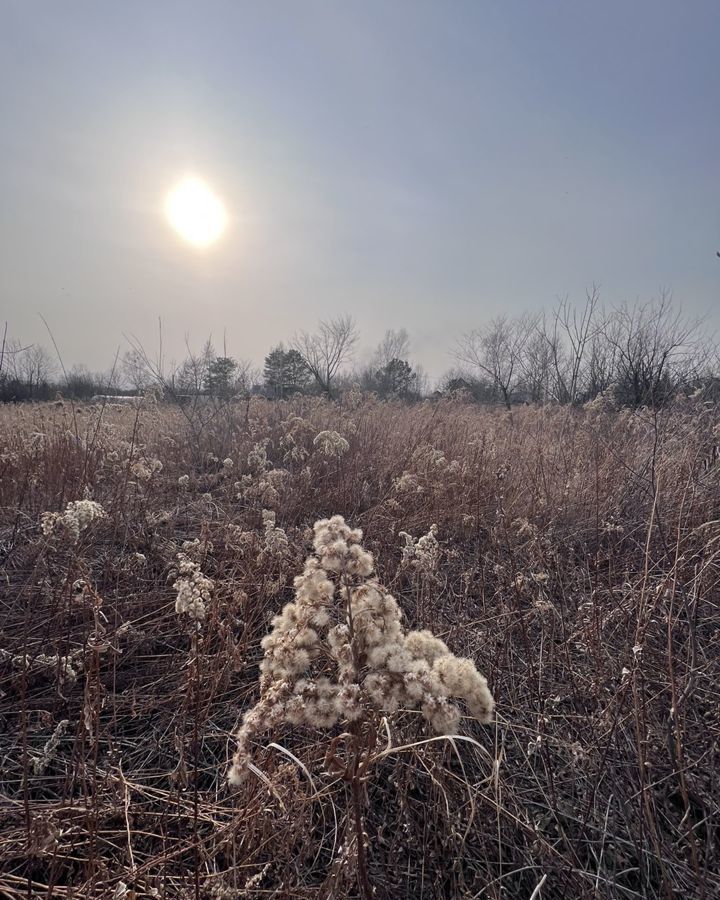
[[577, 564]]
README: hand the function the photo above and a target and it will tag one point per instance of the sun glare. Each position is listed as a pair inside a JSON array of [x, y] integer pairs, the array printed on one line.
[[195, 212]]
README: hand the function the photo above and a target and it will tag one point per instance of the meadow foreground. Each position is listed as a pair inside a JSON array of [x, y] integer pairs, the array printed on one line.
[[573, 555]]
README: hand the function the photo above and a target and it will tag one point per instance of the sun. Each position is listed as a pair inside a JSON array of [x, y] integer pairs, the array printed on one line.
[[196, 213]]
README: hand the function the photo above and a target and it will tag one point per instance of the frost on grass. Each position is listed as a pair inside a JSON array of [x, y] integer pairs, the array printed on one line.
[[339, 653]]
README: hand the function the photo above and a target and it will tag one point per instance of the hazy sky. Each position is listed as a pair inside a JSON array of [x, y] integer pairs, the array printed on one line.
[[418, 164]]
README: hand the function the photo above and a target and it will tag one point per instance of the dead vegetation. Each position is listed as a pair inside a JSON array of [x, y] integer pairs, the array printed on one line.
[[577, 563]]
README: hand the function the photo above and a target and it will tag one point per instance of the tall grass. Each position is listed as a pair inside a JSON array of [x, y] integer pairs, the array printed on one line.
[[579, 568]]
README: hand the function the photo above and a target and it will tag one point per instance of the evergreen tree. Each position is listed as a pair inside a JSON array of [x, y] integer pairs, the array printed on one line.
[[395, 378], [285, 372], [219, 378]]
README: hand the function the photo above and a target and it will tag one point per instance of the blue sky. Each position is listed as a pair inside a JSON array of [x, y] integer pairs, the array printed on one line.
[[417, 164]]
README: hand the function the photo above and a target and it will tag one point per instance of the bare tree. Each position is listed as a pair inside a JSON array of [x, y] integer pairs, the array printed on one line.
[[601, 368], [135, 370], [10, 351], [34, 365], [247, 378], [190, 376], [569, 337], [496, 352], [325, 350], [394, 345], [656, 348], [389, 372], [537, 367]]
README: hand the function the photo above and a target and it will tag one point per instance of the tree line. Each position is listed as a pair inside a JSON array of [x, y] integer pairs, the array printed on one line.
[[639, 354]]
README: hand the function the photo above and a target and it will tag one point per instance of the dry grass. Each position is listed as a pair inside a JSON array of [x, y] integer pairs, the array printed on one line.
[[598, 778]]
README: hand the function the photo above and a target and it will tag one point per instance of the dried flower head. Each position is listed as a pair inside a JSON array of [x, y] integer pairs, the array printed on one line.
[[339, 653], [192, 588], [422, 554], [330, 443], [407, 483], [144, 469], [257, 460], [76, 518], [276, 541]]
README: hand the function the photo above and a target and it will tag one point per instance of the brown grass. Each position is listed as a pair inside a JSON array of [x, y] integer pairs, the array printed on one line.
[[598, 778]]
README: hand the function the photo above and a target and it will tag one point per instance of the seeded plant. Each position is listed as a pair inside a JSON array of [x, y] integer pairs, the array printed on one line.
[[339, 654], [78, 515]]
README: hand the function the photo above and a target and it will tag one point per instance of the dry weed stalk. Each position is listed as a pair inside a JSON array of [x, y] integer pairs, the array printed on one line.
[[339, 654]]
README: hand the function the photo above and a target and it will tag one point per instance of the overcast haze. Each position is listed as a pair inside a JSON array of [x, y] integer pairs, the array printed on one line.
[[417, 164]]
